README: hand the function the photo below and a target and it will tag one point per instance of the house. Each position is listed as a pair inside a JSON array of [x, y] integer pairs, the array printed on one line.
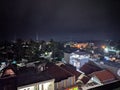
[[79, 58], [30, 78], [89, 68], [8, 78], [103, 76], [39, 81], [80, 45], [25, 78], [63, 78], [99, 78], [71, 70]]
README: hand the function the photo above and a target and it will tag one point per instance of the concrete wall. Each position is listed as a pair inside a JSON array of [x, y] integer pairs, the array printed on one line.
[[65, 83]]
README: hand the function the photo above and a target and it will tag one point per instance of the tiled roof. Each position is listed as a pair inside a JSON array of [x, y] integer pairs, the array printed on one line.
[[104, 76], [25, 76], [57, 72], [71, 70], [85, 79], [29, 78], [88, 68], [10, 70]]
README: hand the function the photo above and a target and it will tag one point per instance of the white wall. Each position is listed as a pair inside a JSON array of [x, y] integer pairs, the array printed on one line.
[[65, 83], [28, 88], [78, 60], [45, 85]]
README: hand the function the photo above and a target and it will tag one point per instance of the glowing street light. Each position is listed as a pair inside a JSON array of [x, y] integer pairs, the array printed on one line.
[[103, 47], [106, 50]]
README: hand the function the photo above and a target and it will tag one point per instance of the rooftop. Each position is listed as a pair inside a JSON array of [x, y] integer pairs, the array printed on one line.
[[85, 79], [30, 78], [89, 68], [57, 72], [24, 75], [104, 76], [111, 63], [71, 70]]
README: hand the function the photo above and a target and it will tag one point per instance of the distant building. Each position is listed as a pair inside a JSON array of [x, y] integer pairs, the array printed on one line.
[[79, 58], [66, 57], [32, 77], [80, 45]]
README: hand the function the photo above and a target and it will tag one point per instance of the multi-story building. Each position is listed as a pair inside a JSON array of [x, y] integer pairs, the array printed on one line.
[[79, 58]]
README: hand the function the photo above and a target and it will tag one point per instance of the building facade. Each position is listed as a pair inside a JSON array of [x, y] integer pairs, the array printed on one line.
[[79, 58], [44, 85]]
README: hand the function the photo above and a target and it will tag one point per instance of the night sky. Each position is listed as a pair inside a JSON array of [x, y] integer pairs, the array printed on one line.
[[60, 19]]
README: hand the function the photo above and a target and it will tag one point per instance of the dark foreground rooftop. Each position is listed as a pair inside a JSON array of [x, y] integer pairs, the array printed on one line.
[[30, 78], [111, 86]]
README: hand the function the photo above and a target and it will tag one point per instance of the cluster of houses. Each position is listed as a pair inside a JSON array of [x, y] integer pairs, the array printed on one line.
[[47, 76], [78, 74], [95, 73], [54, 76]]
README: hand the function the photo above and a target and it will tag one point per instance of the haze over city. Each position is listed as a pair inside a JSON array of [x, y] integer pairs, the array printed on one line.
[[60, 19]]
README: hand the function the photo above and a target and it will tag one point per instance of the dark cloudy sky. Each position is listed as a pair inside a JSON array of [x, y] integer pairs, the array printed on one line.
[[60, 19]]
